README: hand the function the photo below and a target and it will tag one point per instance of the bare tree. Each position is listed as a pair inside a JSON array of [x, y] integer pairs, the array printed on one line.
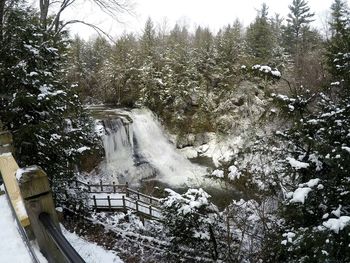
[[55, 8]]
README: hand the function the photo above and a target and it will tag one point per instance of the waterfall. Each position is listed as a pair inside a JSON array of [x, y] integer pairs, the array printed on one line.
[[118, 146], [153, 145], [117, 141], [140, 149]]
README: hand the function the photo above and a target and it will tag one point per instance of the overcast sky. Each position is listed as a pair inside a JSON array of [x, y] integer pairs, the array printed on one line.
[[212, 13]]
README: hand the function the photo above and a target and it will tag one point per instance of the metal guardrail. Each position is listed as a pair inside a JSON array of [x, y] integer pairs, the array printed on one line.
[[61, 242]]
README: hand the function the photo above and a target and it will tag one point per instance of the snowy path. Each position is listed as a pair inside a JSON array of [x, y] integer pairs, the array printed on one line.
[[12, 247]]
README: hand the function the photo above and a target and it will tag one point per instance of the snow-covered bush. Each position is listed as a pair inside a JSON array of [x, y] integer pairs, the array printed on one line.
[[192, 221]]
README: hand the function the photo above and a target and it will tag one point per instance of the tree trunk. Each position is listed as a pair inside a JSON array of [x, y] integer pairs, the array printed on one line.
[[2, 12], [44, 10]]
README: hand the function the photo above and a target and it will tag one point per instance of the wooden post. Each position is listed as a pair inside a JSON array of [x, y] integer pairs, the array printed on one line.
[[8, 169], [95, 203], [5, 142], [150, 210], [137, 206], [109, 202], [101, 185], [89, 187], [127, 189], [114, 189], [123, 198], [138, 196], [36, 192]]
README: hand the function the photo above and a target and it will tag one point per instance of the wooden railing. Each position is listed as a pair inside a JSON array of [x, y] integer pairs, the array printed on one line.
[[30, 195], [119, 197]]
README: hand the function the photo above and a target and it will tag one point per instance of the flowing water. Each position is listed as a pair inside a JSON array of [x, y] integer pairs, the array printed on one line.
[[139, 149]]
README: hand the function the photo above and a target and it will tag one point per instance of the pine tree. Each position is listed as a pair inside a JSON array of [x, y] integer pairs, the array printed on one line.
[[44, 114], [298, 20], [316, 210], [259, 37], [339, 45]]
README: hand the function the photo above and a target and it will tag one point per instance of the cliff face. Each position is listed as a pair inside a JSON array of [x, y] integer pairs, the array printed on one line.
[[240, 117]]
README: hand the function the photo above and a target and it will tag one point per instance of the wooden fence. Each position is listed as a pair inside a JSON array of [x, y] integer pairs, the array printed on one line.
[[119, 197]]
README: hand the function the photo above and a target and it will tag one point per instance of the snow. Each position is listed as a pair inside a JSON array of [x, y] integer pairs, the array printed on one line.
[[21, 171], [221, 150], [233, 173], [337, 211], [189, 202], [189, 152], [311, 183], [99, 128], [83, 149], [297, 164], [300, 194], [315, 159], [266, 69], [289, 238], [12, 247], [276, 73], [218, 173], [32, 49], [346, 148], [46, 91], [90, 252], [336, 224], [6, 154], [55, 136]]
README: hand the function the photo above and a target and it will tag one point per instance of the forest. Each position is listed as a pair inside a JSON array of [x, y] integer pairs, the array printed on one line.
[[273, 96]]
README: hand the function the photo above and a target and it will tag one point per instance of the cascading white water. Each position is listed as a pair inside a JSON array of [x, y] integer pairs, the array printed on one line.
[[118, 146], [141, 150], [152, 144]]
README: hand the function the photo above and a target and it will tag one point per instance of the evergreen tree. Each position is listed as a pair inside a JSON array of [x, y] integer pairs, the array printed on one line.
[[259, 37], [44, 114], [192, 220], [316, 212], [298, 20], [339, 44]]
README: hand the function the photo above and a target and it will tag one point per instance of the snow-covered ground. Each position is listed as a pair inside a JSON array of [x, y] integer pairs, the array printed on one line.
[[90, 252], [13, 249]]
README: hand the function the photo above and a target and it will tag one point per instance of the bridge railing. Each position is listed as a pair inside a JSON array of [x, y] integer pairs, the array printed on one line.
[[119, 196], [30, 195], [115, 189], [125, 203]]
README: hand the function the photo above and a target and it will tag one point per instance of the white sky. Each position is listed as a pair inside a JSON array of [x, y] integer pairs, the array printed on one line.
[[214, 14]]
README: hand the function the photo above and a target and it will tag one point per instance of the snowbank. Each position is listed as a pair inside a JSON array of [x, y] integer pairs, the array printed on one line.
[[90, 252], [12, 247]]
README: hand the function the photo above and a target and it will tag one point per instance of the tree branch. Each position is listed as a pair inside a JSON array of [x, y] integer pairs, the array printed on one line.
[[96, 28]]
